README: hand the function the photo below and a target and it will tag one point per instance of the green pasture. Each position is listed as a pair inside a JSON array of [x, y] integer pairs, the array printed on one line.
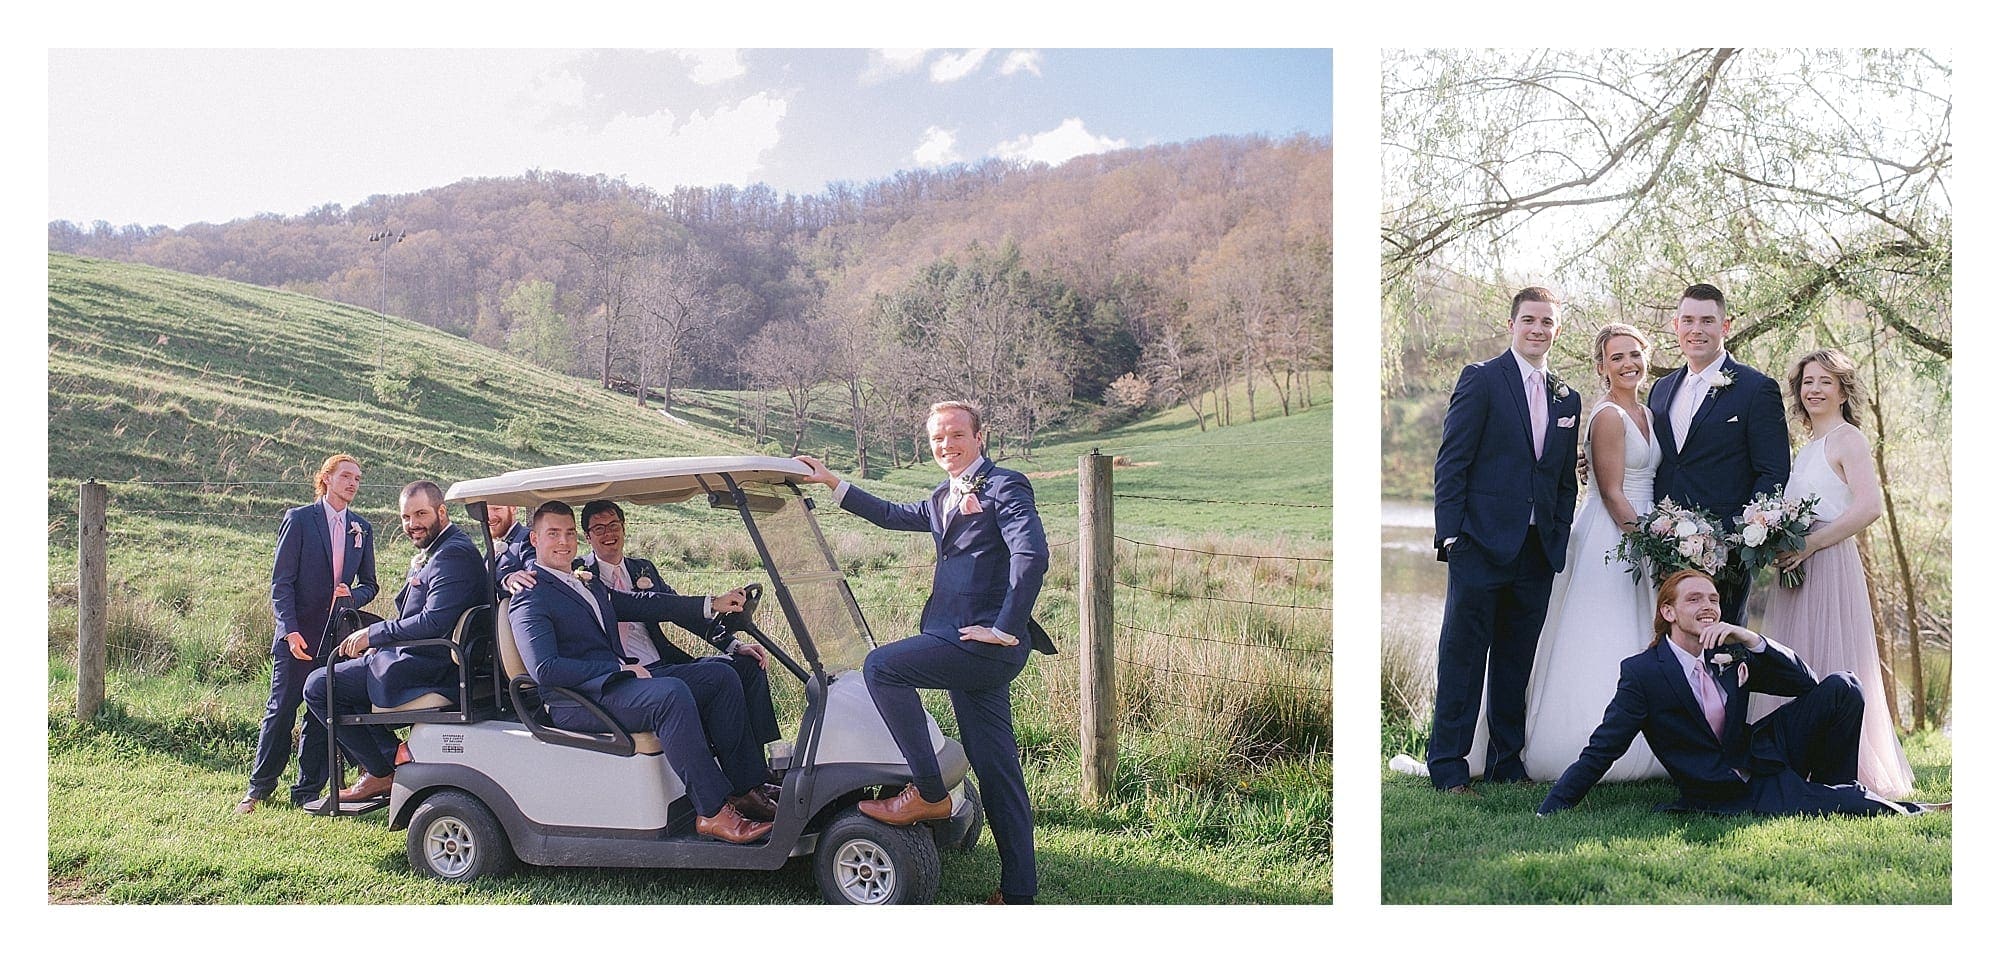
[[1223, 792]]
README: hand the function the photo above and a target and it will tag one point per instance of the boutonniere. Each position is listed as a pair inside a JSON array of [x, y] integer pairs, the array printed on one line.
[[1723, 658], [1721, 381], [1557, 388], [967, 486], [355, 530], [643, 582], [585, 576], [418, 561]]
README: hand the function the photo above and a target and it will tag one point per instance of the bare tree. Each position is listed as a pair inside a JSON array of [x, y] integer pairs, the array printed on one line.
[[680, 302], [784, 357]]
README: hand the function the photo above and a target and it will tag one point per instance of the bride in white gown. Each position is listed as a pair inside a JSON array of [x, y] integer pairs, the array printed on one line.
[[1598, 614]]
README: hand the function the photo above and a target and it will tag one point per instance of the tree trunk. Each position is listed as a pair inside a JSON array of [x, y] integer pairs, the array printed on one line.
[[1917, 701]]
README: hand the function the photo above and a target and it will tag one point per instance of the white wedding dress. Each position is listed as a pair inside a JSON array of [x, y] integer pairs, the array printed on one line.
[[1598, 616]]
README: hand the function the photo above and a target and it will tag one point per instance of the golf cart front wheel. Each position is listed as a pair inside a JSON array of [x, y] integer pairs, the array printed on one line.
[[454, 837], [861, 860]]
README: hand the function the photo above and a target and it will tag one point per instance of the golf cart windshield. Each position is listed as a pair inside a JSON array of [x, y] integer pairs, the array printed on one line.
[[801, 566]]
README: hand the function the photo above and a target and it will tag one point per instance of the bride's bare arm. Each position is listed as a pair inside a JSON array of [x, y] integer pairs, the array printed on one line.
[[1607, 466]]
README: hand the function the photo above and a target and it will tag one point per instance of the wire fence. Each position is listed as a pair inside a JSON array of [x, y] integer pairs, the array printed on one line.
[[1207, 627]]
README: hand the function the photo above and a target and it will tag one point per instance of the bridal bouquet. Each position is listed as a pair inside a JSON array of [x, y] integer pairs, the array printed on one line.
[[1771, 525], [1671, 538]]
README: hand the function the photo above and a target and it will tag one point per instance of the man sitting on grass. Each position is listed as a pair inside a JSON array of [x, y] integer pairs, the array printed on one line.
[[1690, 693]]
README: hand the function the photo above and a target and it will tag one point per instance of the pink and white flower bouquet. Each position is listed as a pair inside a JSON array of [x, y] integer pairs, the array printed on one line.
[[1770, 525], [1671, 538]]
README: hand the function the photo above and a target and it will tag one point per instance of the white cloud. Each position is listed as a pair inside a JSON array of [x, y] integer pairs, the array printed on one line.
[[1022, 61], [724, 145], [709, 67], [949, 68], [555, 94], [883, 64], [1059, 145], [937, 148]]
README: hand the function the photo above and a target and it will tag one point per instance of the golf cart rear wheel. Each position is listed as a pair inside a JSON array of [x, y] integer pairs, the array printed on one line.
[[861, 860], [454, 837]]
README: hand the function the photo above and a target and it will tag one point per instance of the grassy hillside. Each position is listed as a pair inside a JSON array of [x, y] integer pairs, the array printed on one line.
[[235, 393]]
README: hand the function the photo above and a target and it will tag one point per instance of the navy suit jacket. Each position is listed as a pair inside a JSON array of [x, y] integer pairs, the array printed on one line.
[[1736, 446], [989, 564], [637, 569], [1488, 480], [563, 644], [1654, 698], [302, 572], [511, 552], [452, 580]]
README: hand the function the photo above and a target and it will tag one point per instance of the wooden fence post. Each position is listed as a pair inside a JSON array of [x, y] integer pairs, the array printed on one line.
[[1097, 687], [90, 616]]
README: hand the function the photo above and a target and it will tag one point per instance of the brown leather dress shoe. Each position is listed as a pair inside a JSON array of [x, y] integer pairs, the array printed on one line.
[[907, 807], [247, 805], [1462, 790], [731, 827], [996, 898], [754, 805], [368, 787]]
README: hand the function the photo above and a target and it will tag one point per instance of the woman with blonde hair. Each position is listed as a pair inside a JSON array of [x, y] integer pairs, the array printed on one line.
[[1827, 618]]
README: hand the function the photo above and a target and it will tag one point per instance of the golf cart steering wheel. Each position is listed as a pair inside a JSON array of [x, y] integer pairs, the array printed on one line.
[[751, 593]]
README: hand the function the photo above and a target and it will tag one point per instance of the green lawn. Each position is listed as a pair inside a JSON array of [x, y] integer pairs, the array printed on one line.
[[1614, 848]]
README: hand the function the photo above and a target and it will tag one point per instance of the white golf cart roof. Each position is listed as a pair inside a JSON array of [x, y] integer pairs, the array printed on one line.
[[656, 480]]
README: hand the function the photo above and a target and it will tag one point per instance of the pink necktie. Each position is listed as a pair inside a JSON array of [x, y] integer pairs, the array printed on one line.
[[1538, 409], [339, 548], [1711, 699]]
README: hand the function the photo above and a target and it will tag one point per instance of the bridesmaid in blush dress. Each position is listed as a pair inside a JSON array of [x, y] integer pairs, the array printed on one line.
[[1827, 619]]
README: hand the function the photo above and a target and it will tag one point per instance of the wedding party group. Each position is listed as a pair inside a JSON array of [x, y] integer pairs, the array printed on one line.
[[1609, 643]]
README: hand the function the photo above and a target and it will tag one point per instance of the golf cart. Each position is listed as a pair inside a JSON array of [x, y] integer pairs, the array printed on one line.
[[499, 781]]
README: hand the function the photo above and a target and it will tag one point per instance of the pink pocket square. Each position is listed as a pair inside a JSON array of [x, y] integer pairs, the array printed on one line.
[[970, 505]]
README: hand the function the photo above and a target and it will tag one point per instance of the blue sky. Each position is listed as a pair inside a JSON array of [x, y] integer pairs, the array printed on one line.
[[171, 137]]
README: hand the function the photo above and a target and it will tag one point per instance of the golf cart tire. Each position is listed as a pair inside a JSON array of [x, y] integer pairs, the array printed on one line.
[[455, 838], [861, 860], [951, 836]]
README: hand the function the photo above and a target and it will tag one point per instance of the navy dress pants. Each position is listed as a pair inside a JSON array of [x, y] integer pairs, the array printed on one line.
[[1804, 755], [979, 689], [718, 696], [371, 746], [274, 736], [1492, 619], [667, 708]]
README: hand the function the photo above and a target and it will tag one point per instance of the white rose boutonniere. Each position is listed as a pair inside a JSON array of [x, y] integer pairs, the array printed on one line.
[[643, 582], [418, 561], [1557, 387], [1721, 381], [585, 576], [355, 530]]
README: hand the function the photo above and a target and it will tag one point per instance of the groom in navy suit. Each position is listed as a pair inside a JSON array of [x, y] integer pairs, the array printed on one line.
[[1690, 695], [976, 632], [566, 624], [1505, 495], [325, 552], [1721, 426]]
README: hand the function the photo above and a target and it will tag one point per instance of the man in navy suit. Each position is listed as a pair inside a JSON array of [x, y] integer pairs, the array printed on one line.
[[566, 624], [511, 549], [1505, 495], [646, 642], [1690, 697], [325, 552], [1721, 426], [974, 639], [447, 577]]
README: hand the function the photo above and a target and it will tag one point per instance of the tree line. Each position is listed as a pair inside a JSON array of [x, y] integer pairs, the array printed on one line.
[[1193, 273]]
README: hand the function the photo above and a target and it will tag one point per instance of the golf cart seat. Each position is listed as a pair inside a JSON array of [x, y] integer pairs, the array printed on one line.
[[526, 698], [470, 646]]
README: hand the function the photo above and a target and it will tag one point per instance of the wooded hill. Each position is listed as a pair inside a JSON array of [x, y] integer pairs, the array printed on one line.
[[1139, 278]]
